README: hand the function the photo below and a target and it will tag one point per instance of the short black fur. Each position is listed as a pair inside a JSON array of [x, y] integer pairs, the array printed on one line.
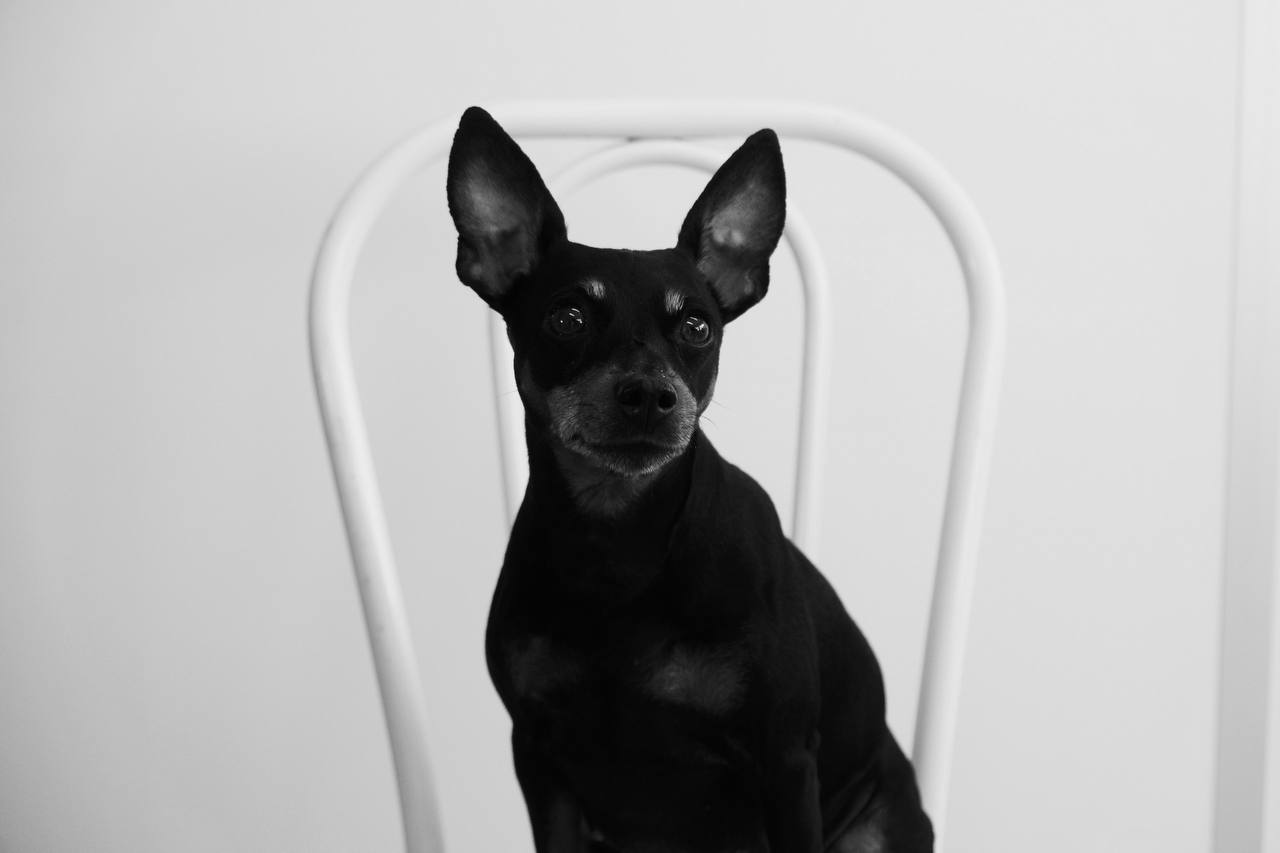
[[679, 676]]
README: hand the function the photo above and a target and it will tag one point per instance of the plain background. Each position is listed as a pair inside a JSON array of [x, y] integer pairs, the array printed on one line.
[[182, 661]]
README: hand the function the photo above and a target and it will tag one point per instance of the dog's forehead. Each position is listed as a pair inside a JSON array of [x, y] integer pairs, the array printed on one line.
[[622, 276]]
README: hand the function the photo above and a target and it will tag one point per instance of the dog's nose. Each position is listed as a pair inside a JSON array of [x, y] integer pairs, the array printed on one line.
[[645, 400]]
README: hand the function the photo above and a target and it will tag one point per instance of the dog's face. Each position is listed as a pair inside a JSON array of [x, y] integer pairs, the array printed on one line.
[[616, 351]]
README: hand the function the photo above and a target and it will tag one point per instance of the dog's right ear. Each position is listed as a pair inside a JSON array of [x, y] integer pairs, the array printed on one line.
[[505, 216], [736, 223]]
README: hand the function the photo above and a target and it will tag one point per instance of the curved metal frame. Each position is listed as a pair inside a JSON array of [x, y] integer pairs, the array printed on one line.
[[394, 660]]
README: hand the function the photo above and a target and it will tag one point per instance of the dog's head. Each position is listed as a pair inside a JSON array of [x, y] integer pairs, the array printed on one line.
[[616, 351]]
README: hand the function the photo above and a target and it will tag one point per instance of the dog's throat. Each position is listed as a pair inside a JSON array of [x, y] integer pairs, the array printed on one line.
[[597, 492]]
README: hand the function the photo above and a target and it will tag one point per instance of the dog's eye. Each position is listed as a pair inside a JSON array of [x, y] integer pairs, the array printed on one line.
[[696, 330], [566, 321]]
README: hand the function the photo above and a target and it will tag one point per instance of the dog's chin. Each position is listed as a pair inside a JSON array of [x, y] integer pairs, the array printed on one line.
[[632, 459]]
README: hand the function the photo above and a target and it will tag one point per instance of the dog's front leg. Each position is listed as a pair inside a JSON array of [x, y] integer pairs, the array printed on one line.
[[554, 814], [794, 818]]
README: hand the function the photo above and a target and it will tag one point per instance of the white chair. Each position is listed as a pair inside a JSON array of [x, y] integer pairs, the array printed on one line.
[[654, 132]]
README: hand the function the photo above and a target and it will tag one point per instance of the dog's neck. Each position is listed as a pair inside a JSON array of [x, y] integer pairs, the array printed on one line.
[[584, 488], [599, 493], [603, 560]]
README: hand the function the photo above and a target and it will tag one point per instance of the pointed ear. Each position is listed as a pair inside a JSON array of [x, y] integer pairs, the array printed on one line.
[[506, 218], [736, 222]]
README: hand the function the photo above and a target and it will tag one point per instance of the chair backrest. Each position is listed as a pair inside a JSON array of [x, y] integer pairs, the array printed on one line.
[[652, 132]]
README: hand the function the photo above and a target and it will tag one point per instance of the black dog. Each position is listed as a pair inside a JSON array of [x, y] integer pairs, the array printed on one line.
[[679, 676]]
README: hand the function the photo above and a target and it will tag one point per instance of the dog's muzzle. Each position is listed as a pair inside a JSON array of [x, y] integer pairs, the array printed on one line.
[[630, 423]]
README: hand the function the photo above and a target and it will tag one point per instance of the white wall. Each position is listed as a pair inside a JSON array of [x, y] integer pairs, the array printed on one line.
[[182, 660]]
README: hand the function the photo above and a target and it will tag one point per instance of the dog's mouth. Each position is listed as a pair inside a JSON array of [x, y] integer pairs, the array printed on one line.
[[633, 457]]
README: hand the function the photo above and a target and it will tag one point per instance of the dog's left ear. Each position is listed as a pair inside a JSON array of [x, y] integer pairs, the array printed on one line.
[[505, 216], [735, 224]]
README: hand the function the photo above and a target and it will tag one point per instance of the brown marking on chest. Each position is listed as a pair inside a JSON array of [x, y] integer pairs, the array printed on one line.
[[711, 678], [537, 667], [867, 835], [861, 839]]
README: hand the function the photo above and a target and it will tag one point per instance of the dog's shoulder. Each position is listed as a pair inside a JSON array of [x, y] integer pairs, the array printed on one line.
[[729, 540], [726, 502]]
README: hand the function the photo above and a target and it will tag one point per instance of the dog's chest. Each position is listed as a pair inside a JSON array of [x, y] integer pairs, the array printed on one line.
[[558, 673]]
